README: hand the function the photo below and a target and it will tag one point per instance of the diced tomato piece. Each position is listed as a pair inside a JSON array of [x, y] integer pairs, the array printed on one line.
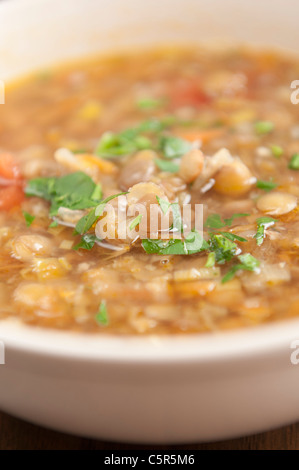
[[8, 167], [11, 196], [204, 136], [188, 93]]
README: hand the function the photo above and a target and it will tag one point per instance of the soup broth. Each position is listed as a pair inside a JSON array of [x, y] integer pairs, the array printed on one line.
[[162, 129]]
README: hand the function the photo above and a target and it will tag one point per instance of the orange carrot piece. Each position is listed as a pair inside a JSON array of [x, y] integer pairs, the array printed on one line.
[[205, 136]]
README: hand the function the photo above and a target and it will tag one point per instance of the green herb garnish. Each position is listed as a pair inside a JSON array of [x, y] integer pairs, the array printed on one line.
[[266, 185], [165, 205], [88, 220], [230, 221], [233, 237], [131, 140], [78, 151], [136, 222], [149, 104], [102, 315], [277, 151], [28, 218], [174, 147], [215, 221], [163, 247], [54, 224], [101, 207], [262, 224], [167, 166], [294, 162], [177, 224], [211, 260], [193, 243], [75, 191], [248, 263], [87, 242], [156, 126], [144, 136], [222, 243], [97, 193], [115, 145], [264, 127], [223, 248]]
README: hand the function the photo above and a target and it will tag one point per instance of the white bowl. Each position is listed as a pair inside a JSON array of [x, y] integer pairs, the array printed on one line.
[[148, 389]]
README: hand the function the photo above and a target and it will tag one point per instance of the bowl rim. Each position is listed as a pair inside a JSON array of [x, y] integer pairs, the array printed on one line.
[[249, 342], [236, 345]]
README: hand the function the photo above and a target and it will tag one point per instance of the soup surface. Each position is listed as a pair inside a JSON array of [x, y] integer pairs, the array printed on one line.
[[80, 146]]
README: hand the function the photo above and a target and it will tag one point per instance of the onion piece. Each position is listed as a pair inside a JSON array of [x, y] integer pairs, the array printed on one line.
[[270, 274], [194, 274]]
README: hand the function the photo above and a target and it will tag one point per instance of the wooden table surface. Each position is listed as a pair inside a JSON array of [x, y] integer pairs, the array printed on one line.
[[19, 435]]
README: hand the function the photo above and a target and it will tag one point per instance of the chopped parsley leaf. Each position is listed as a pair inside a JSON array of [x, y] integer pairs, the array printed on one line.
[[167, 166], [131, 140], [74, 191], [233, 237], [101, 207], [155, 126], [88, 220], [248, 263], [214, 221], [87, 242], [128, 141], [294, 162], [223, 248], [97, 193], [85, 223], [78, 151], [229, 221], [102, 315], [165, 205], [28, 218], [177, 224], [136, 222], [54, 224], [211, 260], [193, 243], [264, 127], [266, 185], [174, 147], [150, 103], [277, 151], [115, 145], [262, 224]]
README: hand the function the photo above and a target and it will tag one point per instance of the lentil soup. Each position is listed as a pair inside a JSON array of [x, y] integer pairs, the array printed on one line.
[[162, 129]]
